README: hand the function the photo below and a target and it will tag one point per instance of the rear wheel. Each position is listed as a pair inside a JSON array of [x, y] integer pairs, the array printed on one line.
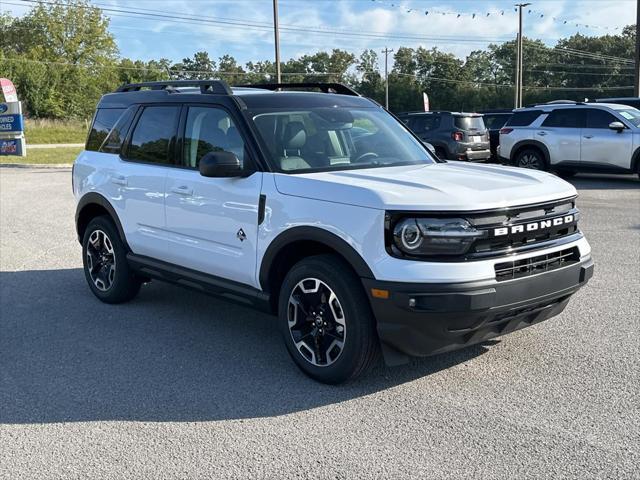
[[326, 320], [531, 158], [105, 263]]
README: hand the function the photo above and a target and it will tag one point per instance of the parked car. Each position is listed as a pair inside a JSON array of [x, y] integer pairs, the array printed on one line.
[[494, 120], [454, 135], [629, 101], [359, 241], [573, 137]]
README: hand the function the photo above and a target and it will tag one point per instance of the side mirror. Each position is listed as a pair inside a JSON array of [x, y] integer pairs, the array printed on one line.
[[430, 148], [220, 164], [617, 126]]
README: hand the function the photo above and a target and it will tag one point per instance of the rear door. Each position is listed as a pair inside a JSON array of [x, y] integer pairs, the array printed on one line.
[[212, 223], [138, 182], [561, 132], [603, 147]]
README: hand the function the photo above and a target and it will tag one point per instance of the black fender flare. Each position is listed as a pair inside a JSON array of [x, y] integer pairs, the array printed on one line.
[[315, 234], [635, 161], [93, 198], [531, 143]]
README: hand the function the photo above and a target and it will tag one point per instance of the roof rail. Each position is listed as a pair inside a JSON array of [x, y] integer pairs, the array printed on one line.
[[329, 87], [218, 87]]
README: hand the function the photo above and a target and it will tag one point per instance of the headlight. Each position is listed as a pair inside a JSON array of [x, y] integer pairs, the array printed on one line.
[[434, 236]]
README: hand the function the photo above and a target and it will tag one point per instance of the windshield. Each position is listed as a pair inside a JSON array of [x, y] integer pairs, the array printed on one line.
[[632, 115], [323, 139], [469, 123]]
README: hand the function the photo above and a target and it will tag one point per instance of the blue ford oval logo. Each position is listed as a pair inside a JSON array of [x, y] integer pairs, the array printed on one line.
[[3, 107]]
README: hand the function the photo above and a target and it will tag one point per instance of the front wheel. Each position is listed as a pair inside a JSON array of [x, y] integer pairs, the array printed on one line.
[[532, 159], [105, 263], [326, 320]]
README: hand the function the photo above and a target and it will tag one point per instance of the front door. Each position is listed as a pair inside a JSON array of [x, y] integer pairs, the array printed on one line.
[[603, 147], [212, 223]]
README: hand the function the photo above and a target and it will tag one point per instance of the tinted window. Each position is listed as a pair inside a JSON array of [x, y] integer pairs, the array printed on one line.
[[104, 120], [495, 121], [113, 142], [599, 118], [523, 119], [210, 130], [469, 123], [565, 118], [152, 136], [425, 123]]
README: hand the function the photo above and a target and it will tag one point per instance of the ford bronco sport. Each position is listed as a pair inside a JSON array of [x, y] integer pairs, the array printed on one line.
[[324, 209]]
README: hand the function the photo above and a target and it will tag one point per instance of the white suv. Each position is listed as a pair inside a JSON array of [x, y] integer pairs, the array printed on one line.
[[572, 137], [322, 208]]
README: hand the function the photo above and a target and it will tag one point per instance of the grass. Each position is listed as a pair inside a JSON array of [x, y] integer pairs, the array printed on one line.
[[49, 156], [55, 131]]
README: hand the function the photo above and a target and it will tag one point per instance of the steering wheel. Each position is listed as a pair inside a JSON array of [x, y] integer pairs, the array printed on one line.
[[366, 155]]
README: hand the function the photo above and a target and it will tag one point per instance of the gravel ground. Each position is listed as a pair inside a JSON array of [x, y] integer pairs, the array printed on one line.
[[181, 385]]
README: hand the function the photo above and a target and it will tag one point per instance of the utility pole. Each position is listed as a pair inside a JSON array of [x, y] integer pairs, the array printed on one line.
[[636, 83], [277, 40], [519, 62], [386, 52]]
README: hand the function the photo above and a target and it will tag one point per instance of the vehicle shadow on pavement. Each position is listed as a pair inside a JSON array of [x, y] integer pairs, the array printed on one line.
[[605, 182], [169, 355]]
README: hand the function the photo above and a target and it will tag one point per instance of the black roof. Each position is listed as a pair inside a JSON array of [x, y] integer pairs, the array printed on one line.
[[250, 96]]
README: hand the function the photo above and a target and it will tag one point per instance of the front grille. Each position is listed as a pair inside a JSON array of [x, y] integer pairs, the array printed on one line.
[[538, 264], [491, 245]]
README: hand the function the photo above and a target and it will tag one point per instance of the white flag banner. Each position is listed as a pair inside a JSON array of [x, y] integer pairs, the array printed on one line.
[[425, 99], [8, 90]]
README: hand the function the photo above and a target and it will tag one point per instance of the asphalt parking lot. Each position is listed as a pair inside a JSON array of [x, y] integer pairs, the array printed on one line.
[[178, 384]]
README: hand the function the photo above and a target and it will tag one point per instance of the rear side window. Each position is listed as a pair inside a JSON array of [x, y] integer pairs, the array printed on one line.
[[565, 118], [152, 136], [523, 119], [103, 122], [597, 118], [113, 142], [425, 123], [469, 123]]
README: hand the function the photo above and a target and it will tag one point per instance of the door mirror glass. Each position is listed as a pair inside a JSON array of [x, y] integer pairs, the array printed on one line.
[[220, 164], [430, 148], [618, 126]]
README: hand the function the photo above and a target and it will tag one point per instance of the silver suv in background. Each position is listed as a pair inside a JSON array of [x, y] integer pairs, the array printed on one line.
[[573, 137], [454, 135]]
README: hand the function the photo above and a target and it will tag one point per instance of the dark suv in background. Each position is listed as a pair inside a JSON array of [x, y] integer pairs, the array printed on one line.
[[454, 135], [494, 120]]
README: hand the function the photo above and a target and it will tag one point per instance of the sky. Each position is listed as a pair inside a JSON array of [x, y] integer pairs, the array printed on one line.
[[456, 26]]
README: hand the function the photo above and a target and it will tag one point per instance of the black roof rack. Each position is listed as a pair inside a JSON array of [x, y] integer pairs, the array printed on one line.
[[323, 87], [218, 87]]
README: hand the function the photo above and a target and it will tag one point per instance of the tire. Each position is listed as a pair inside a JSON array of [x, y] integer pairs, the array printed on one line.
[[531, 158], [440, 153], [316, 320], [106, 269]]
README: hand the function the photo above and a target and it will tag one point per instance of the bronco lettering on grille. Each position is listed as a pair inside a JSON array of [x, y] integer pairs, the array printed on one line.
[[534, 226]]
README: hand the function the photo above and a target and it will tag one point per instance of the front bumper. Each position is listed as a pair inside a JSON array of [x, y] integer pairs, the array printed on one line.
[[425, 319]]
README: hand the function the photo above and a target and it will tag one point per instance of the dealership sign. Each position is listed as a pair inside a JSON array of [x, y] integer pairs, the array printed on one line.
[[12, 140]]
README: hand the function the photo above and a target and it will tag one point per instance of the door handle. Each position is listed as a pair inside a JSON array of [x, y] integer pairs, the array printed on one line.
[[119, 180], [542, 134], [588, 136], [182, 190]]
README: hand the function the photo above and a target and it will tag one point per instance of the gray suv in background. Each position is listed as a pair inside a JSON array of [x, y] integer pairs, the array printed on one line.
[[573, 137], [454, 135]]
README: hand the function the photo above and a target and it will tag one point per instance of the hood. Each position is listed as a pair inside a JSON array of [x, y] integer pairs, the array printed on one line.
[[441, 186]]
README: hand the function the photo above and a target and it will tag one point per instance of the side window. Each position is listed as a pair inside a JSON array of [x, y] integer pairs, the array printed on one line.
[[210, 129], [597, 118], [523, 119], [151, 139], [113, 142], [565, 118], [104, 120]]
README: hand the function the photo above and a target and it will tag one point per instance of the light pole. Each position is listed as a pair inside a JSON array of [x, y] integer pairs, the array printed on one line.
[[386, 52], [277, 40], [519, 62]]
